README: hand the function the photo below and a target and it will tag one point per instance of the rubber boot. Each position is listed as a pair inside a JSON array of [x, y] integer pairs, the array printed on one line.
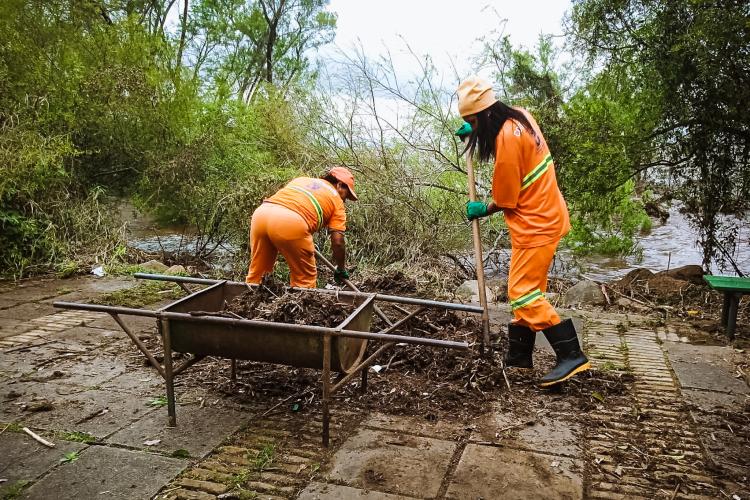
[[570, 359], [520, 346]]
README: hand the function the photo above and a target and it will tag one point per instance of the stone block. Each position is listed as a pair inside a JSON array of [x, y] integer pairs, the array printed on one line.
[[104, 472], [391, 462], [322, 491], [493, 472], [199, 430]]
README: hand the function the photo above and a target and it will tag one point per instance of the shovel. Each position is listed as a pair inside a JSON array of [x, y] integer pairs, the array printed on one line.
[[479, 262], [486, 347]]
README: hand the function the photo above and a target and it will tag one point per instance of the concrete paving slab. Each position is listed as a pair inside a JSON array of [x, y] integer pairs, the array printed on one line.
[[136, 324], [8, 302], [21, 361], [393, 462], [20, 398], [415, 425], [323, 491], [83, 370], [10, 327], [705, 367], [199, 430], [27, 311], [82, 412], [548, 434], [29, 292], [24, 459], [83, 339], [103, 472], [142, 381], [493, 472], [711, 400], [106, 284]]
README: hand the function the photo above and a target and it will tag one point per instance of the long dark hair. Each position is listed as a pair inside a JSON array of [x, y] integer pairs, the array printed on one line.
[[490, 121]]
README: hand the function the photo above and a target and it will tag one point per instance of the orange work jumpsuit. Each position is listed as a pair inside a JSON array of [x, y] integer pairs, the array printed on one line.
[[285, 223], [524, 185]]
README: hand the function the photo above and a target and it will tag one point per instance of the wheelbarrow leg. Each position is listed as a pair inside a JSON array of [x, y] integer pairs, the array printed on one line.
[[326, 386], [168, 372], [233, 370]]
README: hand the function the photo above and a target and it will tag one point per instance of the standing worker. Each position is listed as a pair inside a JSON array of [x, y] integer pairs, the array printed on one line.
[[286, 221], [524, 187]]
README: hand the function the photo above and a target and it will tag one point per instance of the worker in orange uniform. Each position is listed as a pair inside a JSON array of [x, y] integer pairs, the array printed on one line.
[[524, 188], [286, 221]]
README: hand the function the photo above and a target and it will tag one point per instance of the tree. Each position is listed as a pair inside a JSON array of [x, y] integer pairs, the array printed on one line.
[[689, 64], [245, 43]]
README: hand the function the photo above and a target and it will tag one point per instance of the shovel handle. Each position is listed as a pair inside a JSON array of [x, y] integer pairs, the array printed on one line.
[[479, 261]]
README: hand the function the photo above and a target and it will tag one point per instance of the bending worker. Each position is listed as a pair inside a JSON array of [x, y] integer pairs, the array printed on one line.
[[524, 188], [286, 221]]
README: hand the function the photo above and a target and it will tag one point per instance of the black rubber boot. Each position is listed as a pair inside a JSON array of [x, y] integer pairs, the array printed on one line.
[[570, 359], [520, 346]]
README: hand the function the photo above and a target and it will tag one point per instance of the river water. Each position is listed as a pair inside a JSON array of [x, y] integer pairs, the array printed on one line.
[[666, 246]]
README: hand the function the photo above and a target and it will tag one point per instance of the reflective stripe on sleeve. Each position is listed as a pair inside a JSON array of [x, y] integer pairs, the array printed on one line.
[[316, 205], [535, 174]]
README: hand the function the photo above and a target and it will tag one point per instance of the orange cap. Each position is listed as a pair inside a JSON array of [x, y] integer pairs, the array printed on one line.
[[475, 94], [344, 175]]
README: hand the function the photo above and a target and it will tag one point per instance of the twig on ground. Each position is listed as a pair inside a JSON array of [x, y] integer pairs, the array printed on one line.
[[299, 394], [38, 438], [676, 489], [93, 415]]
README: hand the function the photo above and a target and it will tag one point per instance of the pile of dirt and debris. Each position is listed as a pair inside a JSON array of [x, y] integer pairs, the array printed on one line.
[[409, 380], [434, 383], [271, 301], [680, 292], [393, 282], [664, 288]]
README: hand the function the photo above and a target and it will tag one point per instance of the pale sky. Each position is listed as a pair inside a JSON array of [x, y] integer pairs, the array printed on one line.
[[444, 30]]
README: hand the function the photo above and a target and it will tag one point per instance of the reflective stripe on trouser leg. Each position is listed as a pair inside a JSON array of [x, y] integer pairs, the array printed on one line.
[[527, 282]]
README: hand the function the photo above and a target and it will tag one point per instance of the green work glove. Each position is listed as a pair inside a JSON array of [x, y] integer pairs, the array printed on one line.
[[463, 131], [339, 275], [476, 209]]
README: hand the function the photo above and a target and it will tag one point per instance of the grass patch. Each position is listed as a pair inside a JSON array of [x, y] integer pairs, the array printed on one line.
[[623, 348], [12, 427], [609, 366], [78, 437], [141, 295], [69, 457], [181, 453], [239, 479], [14, 490], [122, 269], [237, 485], [158, 402], [264, 458]]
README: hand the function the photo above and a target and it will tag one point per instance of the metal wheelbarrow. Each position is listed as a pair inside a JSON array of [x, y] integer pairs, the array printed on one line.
[[340, 349]]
